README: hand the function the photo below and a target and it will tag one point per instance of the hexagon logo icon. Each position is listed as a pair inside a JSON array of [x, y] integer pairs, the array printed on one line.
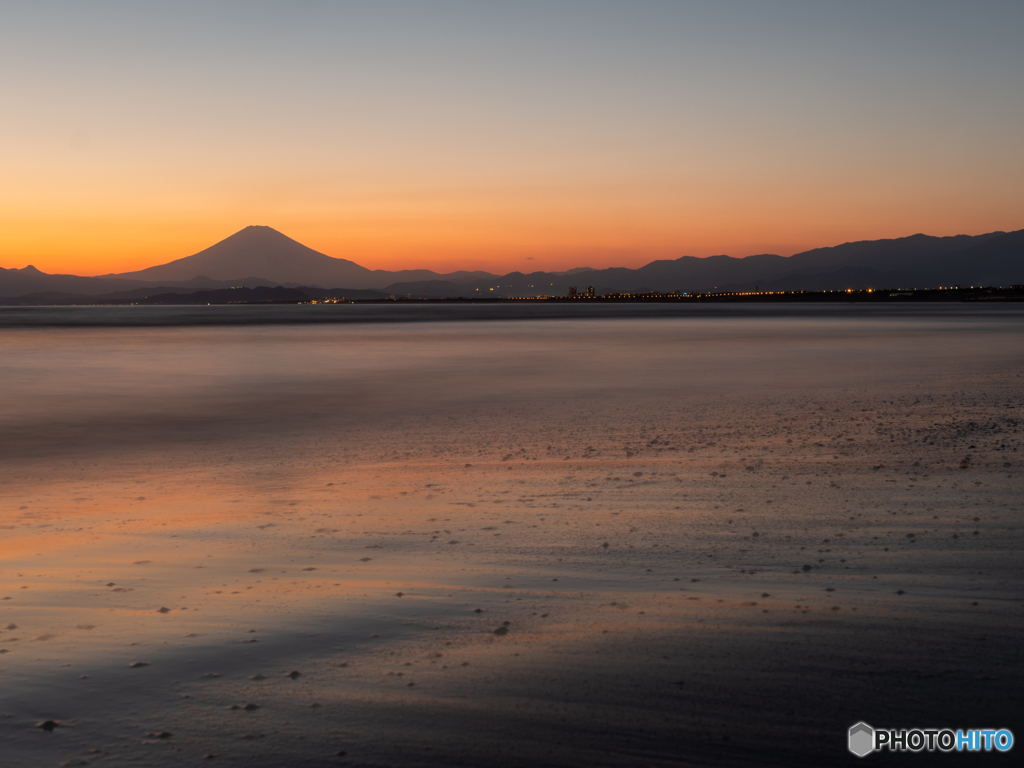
[[862, 739]]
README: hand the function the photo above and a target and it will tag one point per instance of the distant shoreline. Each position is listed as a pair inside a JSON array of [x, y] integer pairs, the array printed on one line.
[[1012, 293], [293, 296]]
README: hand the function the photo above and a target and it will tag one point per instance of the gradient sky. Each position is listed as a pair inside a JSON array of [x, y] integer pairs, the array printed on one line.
[[503, 135]]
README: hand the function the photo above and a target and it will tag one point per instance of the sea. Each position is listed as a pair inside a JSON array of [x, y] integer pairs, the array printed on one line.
[[81, 379]]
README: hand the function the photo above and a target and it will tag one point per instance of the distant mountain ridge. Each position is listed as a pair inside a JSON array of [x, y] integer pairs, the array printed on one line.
[[919, 261], [269, 258]]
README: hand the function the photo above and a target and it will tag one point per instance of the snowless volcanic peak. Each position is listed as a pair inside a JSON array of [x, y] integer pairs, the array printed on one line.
[[261, 251]]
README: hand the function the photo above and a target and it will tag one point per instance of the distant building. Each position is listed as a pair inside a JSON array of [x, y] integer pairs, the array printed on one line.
[[590, 291], [572, 290]]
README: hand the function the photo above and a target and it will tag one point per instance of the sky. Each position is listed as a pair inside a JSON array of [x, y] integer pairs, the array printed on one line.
[[527, 135]]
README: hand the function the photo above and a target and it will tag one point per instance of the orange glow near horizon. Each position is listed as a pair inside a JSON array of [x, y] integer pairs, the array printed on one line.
[[95, 212], [519, 238]]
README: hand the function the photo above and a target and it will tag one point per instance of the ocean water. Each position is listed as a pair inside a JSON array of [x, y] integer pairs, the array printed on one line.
[[125, 379]]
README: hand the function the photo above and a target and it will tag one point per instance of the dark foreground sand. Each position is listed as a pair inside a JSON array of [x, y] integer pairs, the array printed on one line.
[[628, 575]]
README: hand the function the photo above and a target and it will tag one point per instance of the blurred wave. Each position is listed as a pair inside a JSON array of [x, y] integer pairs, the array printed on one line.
[[74, 388]]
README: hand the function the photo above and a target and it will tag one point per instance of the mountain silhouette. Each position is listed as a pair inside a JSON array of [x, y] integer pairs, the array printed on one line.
[[262, 256], [918, 261], [264, 252]]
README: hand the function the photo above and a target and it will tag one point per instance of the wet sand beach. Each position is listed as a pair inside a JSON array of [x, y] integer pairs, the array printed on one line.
[[719, 539]]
